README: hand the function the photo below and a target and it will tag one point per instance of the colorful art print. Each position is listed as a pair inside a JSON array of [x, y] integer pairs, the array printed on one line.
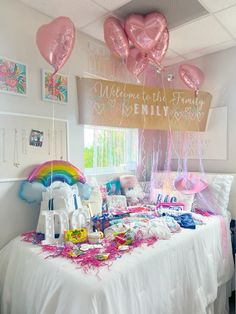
[[36, 138], [13, 77], [55, 87]]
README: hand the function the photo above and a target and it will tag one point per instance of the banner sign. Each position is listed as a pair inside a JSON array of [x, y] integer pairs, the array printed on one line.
[[108, 103]]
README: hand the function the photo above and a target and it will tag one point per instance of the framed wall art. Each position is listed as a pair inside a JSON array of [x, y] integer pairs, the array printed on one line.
[[54, 87], [13, 77]]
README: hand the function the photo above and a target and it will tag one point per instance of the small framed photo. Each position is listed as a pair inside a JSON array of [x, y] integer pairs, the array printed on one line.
[[36, 138], [13, 77], [54, 87]]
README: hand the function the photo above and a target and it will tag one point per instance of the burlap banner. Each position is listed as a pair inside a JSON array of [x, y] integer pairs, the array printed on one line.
[[108, 103]]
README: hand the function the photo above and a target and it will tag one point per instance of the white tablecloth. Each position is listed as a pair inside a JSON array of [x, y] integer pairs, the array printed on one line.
[[179, 276]]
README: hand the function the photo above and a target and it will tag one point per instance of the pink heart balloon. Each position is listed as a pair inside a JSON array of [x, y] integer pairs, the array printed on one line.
[[157, 53], [136, 62], [145, 31], [116, 38], [191, 75], [56, 41]]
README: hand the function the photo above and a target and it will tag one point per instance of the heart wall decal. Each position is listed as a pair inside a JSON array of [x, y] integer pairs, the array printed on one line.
[[56, 41]]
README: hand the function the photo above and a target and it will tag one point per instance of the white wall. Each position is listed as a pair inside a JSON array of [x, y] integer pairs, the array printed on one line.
[[220, 80], [18, 26]]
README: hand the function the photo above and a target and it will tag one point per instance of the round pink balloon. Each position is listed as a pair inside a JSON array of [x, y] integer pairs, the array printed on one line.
[[157, 53], [116, 38], [136, 62], [191, 75], [56, 41], [145, 31]]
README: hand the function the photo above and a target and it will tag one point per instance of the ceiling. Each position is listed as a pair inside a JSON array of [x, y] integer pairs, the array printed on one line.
[[197, 27]]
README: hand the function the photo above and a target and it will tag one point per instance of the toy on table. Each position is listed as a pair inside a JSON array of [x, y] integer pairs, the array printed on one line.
[[76, 236], [132, 189], [59, 197]]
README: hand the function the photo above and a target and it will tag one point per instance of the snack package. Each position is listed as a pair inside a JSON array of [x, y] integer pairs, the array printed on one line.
[[76, 236]]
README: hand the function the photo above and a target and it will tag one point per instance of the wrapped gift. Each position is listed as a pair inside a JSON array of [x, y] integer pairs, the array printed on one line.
[[101, 222]]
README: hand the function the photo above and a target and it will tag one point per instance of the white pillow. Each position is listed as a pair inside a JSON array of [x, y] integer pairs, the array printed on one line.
[[215, 197]]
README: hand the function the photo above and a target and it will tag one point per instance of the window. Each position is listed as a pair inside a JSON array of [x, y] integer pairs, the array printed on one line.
[[110, 149]]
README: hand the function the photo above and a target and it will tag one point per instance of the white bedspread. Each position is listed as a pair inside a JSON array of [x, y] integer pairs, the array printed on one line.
[[180, 276]]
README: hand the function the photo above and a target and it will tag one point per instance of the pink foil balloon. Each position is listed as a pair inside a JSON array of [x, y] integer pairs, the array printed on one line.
[[191, 75], [56, 41], [116, 38], [157, 53], [145, 31], [136, 62]]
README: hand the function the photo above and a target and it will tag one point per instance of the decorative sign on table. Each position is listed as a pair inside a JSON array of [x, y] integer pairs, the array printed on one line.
[[109, 103]]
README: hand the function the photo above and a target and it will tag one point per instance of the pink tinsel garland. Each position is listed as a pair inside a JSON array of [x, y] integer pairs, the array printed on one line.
[[87, 260]]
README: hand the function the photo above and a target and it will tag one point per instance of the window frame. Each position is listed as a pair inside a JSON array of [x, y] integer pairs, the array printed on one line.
[[128, 166]]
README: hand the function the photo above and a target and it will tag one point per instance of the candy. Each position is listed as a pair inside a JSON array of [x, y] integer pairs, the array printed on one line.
[[123, 247], [126, 237], [102, 256], [76, 236], [75, 252], [85, 247], [120, 240]]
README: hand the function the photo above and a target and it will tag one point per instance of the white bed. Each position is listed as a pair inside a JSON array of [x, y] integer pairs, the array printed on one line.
[[187, 274]]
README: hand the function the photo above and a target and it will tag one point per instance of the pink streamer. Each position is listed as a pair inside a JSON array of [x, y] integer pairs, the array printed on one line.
[[87, 260]]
